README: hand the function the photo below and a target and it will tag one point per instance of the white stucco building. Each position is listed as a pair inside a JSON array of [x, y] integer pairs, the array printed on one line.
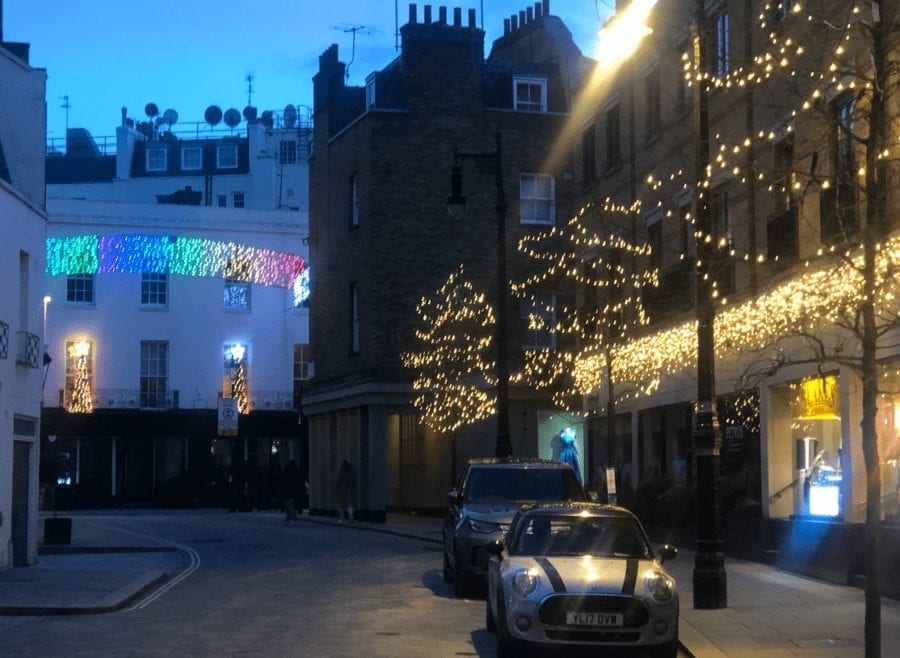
[[22, 217], [178, 273]]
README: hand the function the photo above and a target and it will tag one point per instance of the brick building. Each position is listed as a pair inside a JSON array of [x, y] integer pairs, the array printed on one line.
[[382, 239]]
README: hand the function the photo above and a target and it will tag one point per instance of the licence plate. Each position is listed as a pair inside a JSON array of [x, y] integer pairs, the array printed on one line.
[[594, 619]]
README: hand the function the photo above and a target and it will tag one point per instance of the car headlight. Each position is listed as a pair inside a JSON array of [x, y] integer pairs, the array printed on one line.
[[485, 527], [659, 586], [524, 582]]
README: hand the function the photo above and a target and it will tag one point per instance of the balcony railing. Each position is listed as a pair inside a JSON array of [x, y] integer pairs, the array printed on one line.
[[4, 340], [271, 400], [29, 349], [132, 398]]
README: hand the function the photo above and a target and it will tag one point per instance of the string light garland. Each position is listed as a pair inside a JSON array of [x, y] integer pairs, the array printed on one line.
[[455, 367], [142, 253], [81, 393]]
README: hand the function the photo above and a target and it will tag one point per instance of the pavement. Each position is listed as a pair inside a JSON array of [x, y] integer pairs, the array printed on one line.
[[770, 612]]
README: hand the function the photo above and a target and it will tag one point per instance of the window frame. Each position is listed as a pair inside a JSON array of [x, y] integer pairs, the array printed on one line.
[[71, 363], [530, 105], [229, 295], [154, 397], [534, 201], [149, 159], [530, 339], [81, 294], [198, 150], [238, 199], [722, 52], [220, 161], [154, 285], [287, 151], [353, 215]]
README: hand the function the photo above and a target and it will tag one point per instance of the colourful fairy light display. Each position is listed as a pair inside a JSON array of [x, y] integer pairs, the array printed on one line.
[[142, 253]]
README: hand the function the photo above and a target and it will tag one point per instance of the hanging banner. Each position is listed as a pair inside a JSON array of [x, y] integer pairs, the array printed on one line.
[[228, 417]]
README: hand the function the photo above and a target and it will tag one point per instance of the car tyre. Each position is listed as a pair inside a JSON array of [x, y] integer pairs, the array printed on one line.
[[507, 646], [448, 574], [489, 622], [463, 584], [667, 650]]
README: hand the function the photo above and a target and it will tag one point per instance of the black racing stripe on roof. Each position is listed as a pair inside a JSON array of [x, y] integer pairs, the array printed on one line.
[[631, 570], [552, 574]]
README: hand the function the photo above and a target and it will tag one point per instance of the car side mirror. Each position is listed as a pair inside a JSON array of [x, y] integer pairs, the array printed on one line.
[[667, 552], [495, 548], [453, 497]]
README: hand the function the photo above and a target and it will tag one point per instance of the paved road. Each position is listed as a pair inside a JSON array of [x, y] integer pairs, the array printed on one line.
[[258, 587], [247, 584]]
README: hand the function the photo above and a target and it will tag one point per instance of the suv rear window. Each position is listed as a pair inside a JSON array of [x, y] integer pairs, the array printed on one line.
[[496, 485]]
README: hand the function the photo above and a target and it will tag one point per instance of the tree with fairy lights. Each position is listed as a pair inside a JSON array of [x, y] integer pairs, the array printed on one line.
[[832, 73], [455, 367], [598, 255]]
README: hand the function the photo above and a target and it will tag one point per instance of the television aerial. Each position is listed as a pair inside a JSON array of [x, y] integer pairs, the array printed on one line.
[[347, 28]]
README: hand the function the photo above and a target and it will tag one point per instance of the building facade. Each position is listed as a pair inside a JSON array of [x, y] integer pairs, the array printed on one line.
[[785, 195], [178, 325], [382, 239], [23, 217]]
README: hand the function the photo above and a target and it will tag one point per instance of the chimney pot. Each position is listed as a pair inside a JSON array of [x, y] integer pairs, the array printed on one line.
[[457, 17], [513, 23], [427, 19], [538, 10], [529, 13], [505, 26], [472, 18], [412, 13], [442, 15], [522, 21], [546, 7]]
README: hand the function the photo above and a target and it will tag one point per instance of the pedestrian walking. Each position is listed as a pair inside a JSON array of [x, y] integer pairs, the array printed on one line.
[[346, 491], [292, 486]]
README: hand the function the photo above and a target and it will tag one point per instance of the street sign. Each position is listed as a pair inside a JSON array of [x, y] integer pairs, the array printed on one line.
[[228, 417]]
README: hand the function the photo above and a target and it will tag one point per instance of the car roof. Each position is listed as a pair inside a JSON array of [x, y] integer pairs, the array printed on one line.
[[575, 508], [516, 463]]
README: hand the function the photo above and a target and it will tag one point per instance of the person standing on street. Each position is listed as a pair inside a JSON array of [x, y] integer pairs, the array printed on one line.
[[291, 490], [346, 491]]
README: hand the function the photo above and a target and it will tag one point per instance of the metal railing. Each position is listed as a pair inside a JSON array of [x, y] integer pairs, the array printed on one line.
[[132, 398], [29, 349], [271, 400]]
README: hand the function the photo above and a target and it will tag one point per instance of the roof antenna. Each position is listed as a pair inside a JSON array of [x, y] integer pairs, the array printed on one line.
[[396, 27], [249, 80], [345, 28], [66, 105]]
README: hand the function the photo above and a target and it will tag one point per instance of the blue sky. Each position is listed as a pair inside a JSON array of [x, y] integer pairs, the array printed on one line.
[[189, 54]]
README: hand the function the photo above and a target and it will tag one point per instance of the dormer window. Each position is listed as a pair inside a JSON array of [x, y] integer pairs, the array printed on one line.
[[156, 159], [530, 94], [191, 158], [226, 157]]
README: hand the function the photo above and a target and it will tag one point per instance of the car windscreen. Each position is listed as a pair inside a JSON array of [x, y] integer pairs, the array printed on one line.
[[571, 535], [509, 485]]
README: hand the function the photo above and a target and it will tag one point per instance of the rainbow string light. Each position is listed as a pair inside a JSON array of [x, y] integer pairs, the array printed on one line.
[[141, 253]]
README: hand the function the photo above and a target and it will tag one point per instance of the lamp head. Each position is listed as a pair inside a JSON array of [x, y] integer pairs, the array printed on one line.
[[456, 202]]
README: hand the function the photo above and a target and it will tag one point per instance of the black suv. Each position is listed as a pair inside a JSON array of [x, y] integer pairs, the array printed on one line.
[[486, 497]]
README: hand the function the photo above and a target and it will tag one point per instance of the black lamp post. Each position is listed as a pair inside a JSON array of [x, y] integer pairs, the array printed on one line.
[[709, 581], [487, 161]]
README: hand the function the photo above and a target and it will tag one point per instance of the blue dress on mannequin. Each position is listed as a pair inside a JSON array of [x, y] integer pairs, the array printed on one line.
[[569, 453]]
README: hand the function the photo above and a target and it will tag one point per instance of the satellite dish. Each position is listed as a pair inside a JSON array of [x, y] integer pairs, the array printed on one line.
[[267, 119], [290, 116], [213, 115], [250, 114], [232, 117], [151, 110], [170, 117]]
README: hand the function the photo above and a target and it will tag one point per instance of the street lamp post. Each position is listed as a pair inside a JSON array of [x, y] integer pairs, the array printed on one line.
[[493, 160], [709, 578]]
